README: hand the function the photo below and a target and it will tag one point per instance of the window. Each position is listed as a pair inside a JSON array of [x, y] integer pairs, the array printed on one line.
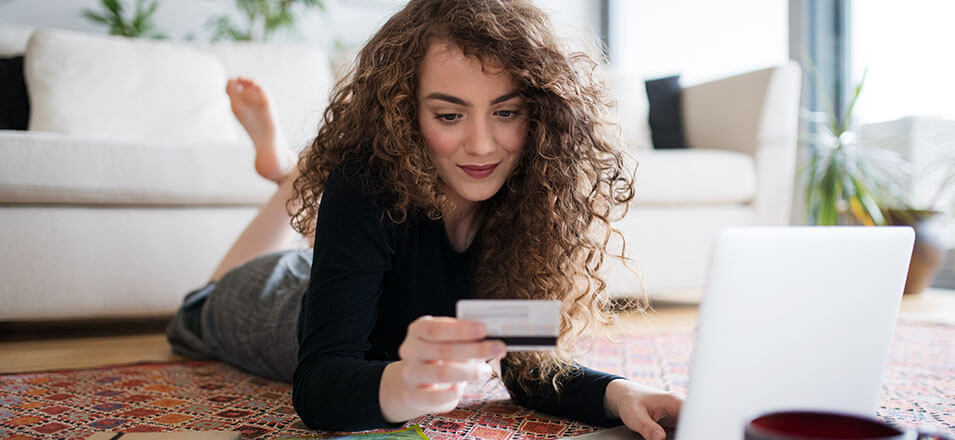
[[907, 49], [908, 99]]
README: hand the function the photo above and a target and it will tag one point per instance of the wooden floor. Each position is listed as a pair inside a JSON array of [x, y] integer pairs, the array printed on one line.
[[49, 346]]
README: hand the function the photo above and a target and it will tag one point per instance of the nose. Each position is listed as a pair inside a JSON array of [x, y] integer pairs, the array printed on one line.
[[480, 139]]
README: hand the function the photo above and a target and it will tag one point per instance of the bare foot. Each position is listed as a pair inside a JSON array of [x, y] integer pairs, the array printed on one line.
[[251, 106]]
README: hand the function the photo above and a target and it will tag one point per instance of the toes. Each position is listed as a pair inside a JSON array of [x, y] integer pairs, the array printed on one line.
[[236, 86], [247, 83], [241, 84]]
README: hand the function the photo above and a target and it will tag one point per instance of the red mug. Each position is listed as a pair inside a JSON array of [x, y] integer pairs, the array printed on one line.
[[810, 425]]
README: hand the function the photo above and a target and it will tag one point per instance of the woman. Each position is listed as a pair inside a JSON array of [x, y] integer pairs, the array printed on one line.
[[466, 156]]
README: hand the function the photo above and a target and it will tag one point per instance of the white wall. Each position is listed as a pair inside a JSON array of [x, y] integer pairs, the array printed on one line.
[[699, 39], [176, 18], [348, 23]]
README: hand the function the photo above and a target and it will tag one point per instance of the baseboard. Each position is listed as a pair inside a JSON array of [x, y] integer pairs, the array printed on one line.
[[11, 331]]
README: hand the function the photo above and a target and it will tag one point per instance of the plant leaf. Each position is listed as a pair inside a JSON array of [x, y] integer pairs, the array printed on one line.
[[870, 207], [847, 117], [114, 6], [93, 16]]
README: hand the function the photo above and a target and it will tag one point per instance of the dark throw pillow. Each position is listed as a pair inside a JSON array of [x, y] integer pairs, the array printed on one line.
[[666, 113], [14, 101]]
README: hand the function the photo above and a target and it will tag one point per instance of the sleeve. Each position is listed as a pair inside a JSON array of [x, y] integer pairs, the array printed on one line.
[[581, 399], [334, 387]]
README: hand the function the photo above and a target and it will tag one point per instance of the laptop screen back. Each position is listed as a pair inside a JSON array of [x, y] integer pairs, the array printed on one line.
[[794, 318]]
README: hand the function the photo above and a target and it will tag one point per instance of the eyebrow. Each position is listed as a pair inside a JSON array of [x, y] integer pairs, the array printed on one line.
[[459, 101]]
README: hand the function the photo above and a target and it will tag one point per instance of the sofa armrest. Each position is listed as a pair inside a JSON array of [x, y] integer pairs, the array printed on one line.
[[756, 113]]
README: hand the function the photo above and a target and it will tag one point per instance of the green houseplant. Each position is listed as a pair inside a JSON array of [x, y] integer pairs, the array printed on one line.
[[845, 182], [261, 19], [113, 15], [848, 184]]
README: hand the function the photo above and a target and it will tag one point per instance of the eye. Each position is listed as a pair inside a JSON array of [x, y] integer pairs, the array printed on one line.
[[448, 117], [508, 114]]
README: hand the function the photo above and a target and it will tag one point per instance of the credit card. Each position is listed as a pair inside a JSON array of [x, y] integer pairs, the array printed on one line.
[[522, 324]]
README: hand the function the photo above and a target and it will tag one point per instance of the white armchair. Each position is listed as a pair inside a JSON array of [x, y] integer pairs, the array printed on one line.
[[738, 170]]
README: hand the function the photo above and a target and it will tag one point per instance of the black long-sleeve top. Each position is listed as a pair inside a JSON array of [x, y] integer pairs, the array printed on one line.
[[370, 278]]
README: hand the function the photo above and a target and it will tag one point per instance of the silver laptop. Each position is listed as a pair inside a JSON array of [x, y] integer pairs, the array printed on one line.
[[793, 318]]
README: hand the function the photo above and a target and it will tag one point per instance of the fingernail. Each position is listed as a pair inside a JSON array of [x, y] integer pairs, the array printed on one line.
[[500, 348], [659, 435]]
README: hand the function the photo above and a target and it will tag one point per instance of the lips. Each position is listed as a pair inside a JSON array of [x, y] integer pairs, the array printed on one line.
[[479, 171]]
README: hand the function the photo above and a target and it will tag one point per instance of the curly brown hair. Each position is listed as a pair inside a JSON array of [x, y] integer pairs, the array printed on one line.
[[545, 234]]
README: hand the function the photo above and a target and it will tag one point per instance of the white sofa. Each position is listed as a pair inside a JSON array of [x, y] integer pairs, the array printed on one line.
[[133, 179]]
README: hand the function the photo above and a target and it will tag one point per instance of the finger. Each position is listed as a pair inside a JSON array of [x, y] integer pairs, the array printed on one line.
[[446, 372], [445, 329], [665, 408], [436, 399], [641, 422], [460, 351], [463, 351]]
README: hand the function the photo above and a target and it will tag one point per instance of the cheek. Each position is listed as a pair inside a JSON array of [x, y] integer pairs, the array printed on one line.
[[514, 137], [441, 141]]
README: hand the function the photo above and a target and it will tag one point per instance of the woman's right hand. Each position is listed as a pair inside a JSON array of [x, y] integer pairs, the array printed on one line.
[[439, 356]]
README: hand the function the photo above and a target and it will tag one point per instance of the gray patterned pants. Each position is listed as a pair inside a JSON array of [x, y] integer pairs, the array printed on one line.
[[249, 318]]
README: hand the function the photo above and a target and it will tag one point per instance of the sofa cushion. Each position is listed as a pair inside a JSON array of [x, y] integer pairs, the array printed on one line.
[[298, 78], [50, 168], [119, 88], [13, 39], [14, 103], [666, 114], [687, 176]]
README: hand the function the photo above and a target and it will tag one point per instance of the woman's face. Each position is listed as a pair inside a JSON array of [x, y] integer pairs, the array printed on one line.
[[473, 120]]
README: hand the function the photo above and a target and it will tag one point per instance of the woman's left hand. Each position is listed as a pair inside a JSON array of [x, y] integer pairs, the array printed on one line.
[[643, 409]]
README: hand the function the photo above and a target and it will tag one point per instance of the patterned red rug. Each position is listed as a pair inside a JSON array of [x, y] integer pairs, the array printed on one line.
[[918, 390]]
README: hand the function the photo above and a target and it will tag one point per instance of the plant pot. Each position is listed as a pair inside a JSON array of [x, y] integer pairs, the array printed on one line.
[[929, 249]]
